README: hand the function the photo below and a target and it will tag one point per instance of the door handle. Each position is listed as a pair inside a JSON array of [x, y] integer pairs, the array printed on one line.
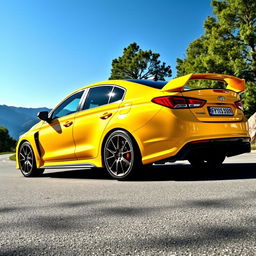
[[106, 115], [68, 123]]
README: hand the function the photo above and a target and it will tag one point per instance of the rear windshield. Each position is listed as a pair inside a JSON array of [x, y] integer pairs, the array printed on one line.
[[150, 83]]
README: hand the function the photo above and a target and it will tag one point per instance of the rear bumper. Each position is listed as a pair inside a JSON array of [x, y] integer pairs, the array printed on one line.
[[227, 146]]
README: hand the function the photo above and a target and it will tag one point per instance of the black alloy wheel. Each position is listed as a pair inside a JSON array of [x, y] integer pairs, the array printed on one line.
[[27, 161], [120, 155]]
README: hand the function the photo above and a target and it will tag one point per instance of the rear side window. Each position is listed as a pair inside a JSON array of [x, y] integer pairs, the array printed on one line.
[[97, 96], [117, 94]]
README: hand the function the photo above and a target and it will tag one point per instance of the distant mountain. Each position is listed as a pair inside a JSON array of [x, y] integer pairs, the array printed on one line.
[[17, 119]]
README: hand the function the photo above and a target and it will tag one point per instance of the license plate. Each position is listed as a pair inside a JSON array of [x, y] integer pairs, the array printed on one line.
[[220, 111]]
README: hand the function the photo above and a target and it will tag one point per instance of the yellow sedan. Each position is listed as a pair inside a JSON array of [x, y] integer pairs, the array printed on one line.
[[122, 125]]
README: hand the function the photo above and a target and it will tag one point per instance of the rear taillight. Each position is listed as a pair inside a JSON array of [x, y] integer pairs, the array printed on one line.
[[178, 102], [239, 105]]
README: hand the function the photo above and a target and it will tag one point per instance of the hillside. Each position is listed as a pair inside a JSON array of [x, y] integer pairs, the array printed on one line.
[[18, 119]]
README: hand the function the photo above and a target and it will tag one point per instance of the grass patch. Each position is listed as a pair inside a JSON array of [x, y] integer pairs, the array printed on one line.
[[253, 146], [4, 153], [13, 157]]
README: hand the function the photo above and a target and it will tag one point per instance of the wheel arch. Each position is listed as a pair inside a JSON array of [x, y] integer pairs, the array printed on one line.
[[32, 140], [135, 141], [17, 152]]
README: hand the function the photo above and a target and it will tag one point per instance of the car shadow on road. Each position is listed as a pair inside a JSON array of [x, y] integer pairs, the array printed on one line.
[[182, 172], [175, 172]]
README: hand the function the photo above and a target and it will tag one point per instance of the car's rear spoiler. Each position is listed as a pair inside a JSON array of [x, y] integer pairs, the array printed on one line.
[[233, 83]]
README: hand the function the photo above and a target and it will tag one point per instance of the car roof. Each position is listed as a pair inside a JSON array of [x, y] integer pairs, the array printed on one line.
[[150, 83], [126, 82]]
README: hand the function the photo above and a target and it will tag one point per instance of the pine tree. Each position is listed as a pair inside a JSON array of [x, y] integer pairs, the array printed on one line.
[[227, 46], [136, 63]]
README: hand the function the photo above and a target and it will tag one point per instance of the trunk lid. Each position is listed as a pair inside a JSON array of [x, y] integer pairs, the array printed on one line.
[[219, 107]]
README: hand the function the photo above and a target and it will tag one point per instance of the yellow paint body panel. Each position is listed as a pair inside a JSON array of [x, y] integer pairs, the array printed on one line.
[[159, 132]]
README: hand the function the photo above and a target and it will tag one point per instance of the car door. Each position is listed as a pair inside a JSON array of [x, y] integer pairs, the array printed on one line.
[[56, 136], [101, 104]]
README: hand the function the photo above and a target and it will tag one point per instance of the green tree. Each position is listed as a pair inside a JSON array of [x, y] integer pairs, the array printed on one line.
[[138, 64], [6, 142], [227, 46]]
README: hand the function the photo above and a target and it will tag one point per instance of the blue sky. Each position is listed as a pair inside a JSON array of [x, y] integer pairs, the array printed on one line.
[[48, 48]]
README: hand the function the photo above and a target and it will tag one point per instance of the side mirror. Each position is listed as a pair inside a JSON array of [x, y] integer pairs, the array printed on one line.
[[43, 115]]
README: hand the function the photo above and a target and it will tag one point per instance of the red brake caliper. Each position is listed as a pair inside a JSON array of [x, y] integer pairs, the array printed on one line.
[[128, 156]]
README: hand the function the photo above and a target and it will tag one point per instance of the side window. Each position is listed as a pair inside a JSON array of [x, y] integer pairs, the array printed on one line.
[[97, 96], [116, 95], [69, 106]]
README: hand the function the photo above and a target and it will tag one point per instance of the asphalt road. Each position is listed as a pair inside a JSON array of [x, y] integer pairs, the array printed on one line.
[[169, 210]]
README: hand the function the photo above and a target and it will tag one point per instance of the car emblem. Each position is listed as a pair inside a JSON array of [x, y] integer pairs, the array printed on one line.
[[221, 98]]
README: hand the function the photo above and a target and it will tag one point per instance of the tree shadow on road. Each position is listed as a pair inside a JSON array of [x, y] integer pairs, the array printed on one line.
[[98, 222], [192, 236]]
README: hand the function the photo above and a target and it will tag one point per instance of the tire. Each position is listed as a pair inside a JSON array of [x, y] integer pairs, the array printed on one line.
[[201, 162], [121, 156], [27, 162]]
